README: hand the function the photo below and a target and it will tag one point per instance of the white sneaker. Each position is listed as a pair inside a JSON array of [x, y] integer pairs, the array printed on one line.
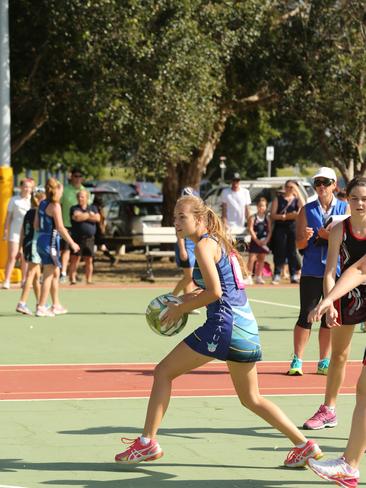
[[24, 309], [58, 310], [336, 470], [44, 312], [276, 280], [259, 280], [6, 285], [248, 280]]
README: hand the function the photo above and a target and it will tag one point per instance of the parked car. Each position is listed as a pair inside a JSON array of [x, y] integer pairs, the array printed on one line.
[[147, 189], [105, 193], [261, 187], [125, 219]]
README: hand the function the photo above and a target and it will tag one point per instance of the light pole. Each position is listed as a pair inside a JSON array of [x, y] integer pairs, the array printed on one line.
[[222, 168]]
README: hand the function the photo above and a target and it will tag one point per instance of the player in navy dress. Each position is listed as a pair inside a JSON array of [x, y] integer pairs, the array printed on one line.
[[28, 238], [48, 221], [230, 333], [343, 471]]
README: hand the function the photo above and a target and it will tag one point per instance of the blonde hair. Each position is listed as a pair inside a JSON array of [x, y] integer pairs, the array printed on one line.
[[37, 197], [214, 225], [52, 186]]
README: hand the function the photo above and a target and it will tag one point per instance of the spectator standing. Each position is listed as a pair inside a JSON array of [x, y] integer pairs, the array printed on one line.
[[284, 212], [84, 219], [259, 226], [17, 208], [101, 228], [28, 240], [235, 203], [48, 222], [312, 238], [69, 198]]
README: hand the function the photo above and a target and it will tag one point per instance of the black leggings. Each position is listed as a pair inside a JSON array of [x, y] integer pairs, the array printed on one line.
[[311, 291], [283, 245]]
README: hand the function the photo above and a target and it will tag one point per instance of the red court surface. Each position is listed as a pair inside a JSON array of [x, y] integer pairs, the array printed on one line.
[[64, 381]]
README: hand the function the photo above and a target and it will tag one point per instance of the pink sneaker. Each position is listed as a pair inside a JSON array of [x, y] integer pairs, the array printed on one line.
[[324, 417], [298, 456], [336, 470], [138, 452], [59, 310]]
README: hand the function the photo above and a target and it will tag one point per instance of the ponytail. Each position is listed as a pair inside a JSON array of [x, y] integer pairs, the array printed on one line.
[[52, 186]]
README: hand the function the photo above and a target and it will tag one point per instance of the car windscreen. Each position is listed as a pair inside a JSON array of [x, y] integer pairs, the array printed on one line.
[[142, 209]]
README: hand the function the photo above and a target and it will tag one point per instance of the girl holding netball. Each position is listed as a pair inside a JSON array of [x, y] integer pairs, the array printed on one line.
[[230, 333]]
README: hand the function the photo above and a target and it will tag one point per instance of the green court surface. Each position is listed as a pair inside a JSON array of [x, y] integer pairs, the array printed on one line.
[[209, 442]]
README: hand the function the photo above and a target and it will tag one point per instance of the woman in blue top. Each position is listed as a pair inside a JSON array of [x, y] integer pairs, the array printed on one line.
[[48, 221], [230, 333], [312, 238]]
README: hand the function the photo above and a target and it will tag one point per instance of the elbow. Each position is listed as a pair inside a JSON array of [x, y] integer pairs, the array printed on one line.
[[216, 294]]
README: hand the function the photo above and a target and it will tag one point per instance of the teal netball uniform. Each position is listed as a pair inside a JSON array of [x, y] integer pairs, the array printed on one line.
[[230, 332]]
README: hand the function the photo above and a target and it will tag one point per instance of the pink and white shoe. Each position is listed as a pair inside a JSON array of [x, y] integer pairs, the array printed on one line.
[[322, 418], [138, 452], [298, 456], [58, 310], [337, 471], [44, 312]]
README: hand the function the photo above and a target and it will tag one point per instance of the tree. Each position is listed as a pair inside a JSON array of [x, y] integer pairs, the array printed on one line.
[[329, 93]]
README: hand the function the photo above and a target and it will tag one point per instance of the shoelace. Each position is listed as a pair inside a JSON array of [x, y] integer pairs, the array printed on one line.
[[319, 414], [127, 440]]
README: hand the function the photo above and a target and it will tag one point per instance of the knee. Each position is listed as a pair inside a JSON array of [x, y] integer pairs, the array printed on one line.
[[161, 373], [339, 357], [251, 402]]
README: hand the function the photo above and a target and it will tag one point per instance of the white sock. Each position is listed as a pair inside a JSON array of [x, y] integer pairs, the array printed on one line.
[[300, 446], [332, 409], [144, 440]]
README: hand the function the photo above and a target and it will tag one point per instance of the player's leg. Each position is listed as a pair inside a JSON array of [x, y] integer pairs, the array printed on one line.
[[181, 360], [245, 380], [22, 304], [48, 272], [259, 268], [88, 269], [344, 471], [13, 248], [341, 344], [311, 290]]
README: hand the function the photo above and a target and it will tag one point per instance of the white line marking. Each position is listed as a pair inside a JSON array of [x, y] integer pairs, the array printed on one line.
[[274, 303]]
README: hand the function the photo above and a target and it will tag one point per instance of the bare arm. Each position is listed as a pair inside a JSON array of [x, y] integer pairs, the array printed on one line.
[[247, 213], [182, 249], [59, 224], [274, 208], [303, 232], [354, 276], [205, 252], [7, 225], [334, 245], [253, 235]]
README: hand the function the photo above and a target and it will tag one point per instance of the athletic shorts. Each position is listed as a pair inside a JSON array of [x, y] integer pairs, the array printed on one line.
[[351, 307], [311, 292], [48, 248], [86, 246], [235, 338]]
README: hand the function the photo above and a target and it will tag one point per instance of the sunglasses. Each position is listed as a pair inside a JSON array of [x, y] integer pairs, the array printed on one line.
[[324, 182]]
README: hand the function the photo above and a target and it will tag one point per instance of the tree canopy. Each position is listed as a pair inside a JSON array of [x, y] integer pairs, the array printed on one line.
[[155, 85]]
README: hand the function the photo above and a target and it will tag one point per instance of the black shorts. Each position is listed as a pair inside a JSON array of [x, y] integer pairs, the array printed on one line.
[[311, 292], [86, 246]]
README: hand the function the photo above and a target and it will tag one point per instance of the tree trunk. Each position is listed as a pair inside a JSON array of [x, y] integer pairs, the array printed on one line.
[[190, 173]]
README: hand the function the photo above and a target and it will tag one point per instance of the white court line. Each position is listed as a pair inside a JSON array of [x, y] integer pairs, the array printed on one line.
[[146, 399], [274, 303]]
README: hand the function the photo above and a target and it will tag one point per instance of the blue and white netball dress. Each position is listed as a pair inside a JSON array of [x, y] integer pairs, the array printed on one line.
[[230, 332], [48, 242]]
